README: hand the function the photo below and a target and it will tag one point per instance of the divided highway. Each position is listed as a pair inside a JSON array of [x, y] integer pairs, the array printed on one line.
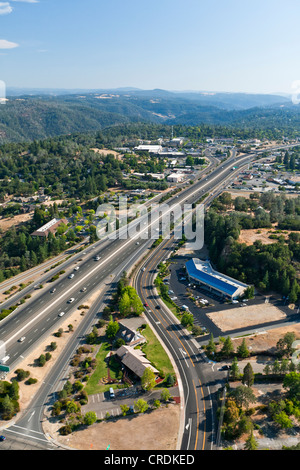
[[40, 315]]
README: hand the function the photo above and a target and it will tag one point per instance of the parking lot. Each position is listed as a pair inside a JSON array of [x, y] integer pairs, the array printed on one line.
[[180, 291], [102, 404]]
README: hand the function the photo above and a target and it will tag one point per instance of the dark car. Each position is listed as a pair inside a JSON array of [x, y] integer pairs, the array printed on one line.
[[158, 307], [2, 438]]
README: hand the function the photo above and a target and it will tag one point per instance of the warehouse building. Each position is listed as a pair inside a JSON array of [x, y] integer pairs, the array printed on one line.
[[50, 227], [201, 273]]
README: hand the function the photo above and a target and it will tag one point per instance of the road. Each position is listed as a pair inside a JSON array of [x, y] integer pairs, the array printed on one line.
[[40, 315], [196, 376]]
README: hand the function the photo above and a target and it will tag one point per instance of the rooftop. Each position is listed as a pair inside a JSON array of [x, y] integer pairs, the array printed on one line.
[[203, 271]]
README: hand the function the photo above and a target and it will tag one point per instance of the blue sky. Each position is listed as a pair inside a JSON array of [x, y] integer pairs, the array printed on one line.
[[232, 45]]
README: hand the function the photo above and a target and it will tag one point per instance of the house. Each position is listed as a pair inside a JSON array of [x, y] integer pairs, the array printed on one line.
[[128, 331], [135, 360]]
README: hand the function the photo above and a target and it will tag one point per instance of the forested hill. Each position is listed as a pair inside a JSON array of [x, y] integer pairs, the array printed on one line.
[[25, 118]]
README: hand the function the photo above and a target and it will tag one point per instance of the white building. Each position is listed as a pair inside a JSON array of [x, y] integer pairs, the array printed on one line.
[[175, 177], [149, 148], [201, 273]]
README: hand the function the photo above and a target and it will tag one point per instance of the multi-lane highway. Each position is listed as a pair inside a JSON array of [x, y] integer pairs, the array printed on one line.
[[41, 314]]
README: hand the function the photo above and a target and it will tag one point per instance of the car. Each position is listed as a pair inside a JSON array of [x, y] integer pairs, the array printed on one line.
[[2, 438], [83, 289], [71, 300], [158, 307], [53, 290], [137, 243], [71, 276], [61, 314], [146, 305], [97, 258], [224, 368], [76, 269], [21, 339]]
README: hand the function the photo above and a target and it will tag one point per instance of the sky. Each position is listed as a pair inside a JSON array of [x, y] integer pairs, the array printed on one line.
[[202, 45]]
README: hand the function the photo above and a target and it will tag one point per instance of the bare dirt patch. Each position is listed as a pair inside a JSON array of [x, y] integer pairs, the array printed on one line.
[[157, 430], [7, 222], [246, 316], [266, 340]]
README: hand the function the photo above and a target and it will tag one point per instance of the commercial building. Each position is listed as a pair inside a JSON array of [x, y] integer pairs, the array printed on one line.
[[50, 227], [149, 148], [201, 273], [175, 177]]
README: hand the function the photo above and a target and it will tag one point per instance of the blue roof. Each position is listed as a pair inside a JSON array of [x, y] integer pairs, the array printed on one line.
[[209, 279]]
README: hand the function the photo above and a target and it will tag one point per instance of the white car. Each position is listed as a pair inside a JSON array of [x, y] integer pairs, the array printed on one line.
[[83, 289], [61, 314], [76, 269], [71, 276], [71, 300], [97, 258], [21, 339]]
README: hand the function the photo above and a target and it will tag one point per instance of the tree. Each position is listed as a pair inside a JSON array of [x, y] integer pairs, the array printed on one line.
[[248, 377], [165, 395], [14, 390], [242, 350], [187, 319], [8, 408], [227, 348], [284, 345], [141, 405], [283, 420], [148, 379], [90, 418], [211, 347], [243, 395], [42, 360], [251, 443], [112, 329], [124, 409], [234, 369], [291, 382]]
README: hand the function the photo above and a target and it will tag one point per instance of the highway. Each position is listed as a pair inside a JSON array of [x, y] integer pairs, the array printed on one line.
[[40, 315]]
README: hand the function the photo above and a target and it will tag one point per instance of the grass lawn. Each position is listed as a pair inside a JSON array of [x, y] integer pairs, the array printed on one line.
[[93, 385], [155, 353]]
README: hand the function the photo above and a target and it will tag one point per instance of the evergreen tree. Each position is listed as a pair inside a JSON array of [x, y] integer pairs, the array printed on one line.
[[248, 376], [242, 350]]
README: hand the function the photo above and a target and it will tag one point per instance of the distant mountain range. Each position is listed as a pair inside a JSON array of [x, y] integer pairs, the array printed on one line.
[[35, 114]]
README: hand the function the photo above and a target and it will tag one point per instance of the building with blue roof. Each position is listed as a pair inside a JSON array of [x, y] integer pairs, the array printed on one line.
[[201, 273]]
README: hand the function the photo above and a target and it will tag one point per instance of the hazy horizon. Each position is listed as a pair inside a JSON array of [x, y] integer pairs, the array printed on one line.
[[230, 47]]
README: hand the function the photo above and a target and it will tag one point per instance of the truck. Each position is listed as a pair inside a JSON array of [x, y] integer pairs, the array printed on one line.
[[4, 360]]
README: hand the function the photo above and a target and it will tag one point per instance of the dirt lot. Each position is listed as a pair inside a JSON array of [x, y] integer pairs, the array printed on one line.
[[8, 222], [248, 316], [250, 236], [157, 430]]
